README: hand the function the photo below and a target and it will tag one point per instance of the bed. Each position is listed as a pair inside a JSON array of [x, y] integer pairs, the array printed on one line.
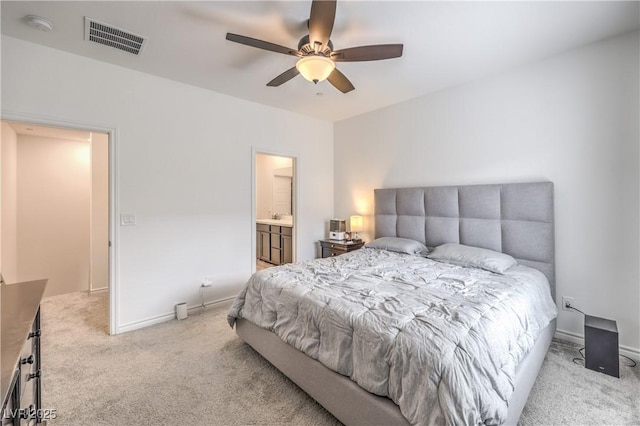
[[514, 219]]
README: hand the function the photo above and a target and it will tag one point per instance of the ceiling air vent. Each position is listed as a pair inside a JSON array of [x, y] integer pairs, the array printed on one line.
[[109, 35]]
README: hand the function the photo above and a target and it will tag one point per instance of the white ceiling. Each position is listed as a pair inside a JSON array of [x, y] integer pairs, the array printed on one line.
[[445, 43]]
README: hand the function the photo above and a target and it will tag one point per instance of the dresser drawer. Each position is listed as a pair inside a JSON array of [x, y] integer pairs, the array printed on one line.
[[27, 385], [331, 248], [332, 252], [337, 248], [29, 377]]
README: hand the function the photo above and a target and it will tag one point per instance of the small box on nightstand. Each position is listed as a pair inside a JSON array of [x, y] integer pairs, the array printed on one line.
[[601, 345]]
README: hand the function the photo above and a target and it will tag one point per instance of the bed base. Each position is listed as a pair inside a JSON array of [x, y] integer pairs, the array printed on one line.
[[351, 404]]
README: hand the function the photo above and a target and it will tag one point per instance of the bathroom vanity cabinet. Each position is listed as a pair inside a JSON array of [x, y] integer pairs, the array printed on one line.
[[274, 243]]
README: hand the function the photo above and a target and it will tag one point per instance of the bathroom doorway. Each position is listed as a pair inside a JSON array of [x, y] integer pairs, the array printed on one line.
[[274, 206]]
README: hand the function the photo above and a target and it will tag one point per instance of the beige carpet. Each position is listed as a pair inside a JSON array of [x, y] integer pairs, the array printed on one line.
[[197, 372]]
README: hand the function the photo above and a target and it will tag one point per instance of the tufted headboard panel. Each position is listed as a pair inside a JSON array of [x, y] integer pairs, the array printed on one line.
[[513, 218]]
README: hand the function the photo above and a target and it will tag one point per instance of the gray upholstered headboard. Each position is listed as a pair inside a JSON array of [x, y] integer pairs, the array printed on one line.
[[514, 218]]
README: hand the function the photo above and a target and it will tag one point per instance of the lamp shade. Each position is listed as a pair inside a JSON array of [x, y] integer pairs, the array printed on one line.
[[315, 68], [356, 223]]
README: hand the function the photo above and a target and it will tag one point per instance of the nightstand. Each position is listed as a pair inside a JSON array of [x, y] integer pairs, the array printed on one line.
[[332, 248]]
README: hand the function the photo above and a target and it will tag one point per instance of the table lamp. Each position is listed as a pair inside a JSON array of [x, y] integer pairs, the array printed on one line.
[[356, 226]]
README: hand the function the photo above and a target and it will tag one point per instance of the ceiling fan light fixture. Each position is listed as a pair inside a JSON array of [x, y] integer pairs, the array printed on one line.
[[315, 68]]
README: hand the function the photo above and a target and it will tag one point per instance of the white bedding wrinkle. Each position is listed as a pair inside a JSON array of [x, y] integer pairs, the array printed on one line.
[[442, 341]]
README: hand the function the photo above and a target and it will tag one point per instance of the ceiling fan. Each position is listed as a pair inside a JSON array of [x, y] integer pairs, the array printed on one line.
[[317, 57]]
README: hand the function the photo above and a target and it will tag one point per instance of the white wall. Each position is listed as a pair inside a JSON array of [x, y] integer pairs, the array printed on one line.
[[54, 184], [8, 201], [571, 119], [184, 169], [99, 235]]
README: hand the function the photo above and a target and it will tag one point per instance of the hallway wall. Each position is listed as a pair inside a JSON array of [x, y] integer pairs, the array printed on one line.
[[8, 201], [54, 183]]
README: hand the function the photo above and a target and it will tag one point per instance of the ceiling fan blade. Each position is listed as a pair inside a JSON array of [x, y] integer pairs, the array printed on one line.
[[368, 53], [284, 77], [340, 82], [261, 44], [323, 15]]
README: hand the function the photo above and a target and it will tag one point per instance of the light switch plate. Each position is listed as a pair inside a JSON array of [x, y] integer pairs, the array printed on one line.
[[127, 219]]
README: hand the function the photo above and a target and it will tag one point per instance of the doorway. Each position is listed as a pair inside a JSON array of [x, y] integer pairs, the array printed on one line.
[[274, 209], [55, 219]]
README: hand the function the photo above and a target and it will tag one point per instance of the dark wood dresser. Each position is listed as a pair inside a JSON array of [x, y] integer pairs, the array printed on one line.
[[20, 364], [332, 248]]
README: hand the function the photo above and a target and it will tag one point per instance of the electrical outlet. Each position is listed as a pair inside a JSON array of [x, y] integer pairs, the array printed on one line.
[[567, 302]]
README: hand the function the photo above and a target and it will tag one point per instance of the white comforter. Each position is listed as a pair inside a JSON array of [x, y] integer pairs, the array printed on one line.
[[442, 341]]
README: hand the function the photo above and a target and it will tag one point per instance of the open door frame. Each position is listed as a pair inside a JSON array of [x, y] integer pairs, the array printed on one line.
[[296, 166], [113, 191]]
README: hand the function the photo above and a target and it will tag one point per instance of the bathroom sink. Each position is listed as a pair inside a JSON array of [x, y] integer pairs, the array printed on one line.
[[279, 222]]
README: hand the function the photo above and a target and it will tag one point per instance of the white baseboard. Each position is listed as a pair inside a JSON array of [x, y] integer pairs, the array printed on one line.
[[136, 325], [579, 339], [98, 290], [215, 302]]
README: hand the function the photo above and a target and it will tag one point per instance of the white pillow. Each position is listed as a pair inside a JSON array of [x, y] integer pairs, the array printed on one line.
[[400, 245], [473, 257]]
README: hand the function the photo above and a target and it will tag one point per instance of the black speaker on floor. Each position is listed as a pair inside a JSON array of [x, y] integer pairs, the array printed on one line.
[[601, 345]]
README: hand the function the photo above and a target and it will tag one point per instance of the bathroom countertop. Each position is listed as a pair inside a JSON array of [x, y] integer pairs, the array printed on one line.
[[279, 222]]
